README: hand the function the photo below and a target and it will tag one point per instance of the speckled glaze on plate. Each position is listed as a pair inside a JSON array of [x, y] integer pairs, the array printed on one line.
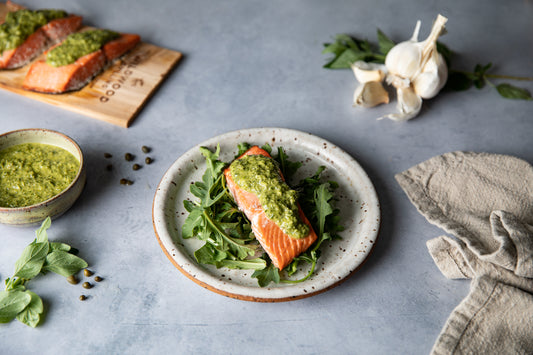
[[358, 202]]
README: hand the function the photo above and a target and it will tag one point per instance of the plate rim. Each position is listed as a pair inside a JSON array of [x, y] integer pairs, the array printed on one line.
[[254, 298]]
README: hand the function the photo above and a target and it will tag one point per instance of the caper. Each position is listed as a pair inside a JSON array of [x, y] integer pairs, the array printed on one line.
[[108, 155], [145, 149], [72, 279], [136, 167], [128, 156], [109, 167], [88, 272], [83, 297], [97, 278], [148, 160], [126, 182], [87, 285]]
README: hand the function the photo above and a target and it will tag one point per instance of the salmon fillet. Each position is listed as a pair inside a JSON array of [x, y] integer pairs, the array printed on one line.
[[53, 32], [280, 247], [45, 78]]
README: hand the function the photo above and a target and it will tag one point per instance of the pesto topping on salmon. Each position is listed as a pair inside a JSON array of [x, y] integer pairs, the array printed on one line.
[[77, 45], [33, 172], [260, 175], [19, 25]]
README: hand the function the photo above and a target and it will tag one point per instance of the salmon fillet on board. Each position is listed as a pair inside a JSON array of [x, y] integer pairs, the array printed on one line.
[[51, 33], [45, 78], [280, 247]]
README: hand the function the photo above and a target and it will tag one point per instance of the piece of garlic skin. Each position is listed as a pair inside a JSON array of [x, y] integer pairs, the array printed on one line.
[[409, 105], [370, 94], [365, 72]]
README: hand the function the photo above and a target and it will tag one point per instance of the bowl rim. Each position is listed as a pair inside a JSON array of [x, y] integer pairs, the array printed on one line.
[[57, 196]]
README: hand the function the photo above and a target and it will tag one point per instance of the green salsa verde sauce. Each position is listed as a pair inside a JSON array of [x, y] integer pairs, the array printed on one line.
[[19, 25], [34, 172], [77, 45], [260, 175]]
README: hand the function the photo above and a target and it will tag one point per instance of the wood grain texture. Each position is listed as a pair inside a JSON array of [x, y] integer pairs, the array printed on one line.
[[117, 94]]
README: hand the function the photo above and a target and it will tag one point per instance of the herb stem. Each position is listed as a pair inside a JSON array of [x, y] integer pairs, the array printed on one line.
[[496, 76], [313, 264]]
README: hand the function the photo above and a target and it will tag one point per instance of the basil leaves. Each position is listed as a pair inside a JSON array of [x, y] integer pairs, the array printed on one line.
[[38, 257]]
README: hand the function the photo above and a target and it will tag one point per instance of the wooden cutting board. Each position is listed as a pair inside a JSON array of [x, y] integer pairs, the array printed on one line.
[[116, 95]]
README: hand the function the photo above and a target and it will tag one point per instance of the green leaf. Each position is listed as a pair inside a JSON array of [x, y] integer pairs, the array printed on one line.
[[385, 43], [12, 303], [345, 59], [267, 275], [193, 221], [242, 148], [41, 235], [287, 167], [31, 315], [445, 52], [266, 147], [323, 208], [513, 92], [249, 264], [31, 261], [59, 246], [209, 255], [458, 81], [63, 263]]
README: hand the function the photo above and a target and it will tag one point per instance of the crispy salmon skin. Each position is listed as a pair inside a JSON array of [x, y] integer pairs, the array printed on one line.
[[280, 247]]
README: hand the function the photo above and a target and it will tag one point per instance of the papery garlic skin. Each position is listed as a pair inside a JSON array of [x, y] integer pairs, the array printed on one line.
[[370, 94]]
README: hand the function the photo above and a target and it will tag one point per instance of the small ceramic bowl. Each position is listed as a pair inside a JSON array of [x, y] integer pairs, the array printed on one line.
[[56, 205]]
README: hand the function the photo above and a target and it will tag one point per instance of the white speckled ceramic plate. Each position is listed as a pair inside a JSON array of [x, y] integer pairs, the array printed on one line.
[[358, 202]]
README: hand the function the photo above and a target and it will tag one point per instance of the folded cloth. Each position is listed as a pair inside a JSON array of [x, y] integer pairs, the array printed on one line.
[[485, 201]]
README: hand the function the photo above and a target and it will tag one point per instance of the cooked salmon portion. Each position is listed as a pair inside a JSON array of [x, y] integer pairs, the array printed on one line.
[[45, 78], [23, 54], [121, 45], [51, 33], [280, 247], [57, 30]]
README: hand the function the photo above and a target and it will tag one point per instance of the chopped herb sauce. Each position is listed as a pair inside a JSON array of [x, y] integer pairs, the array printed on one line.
[[77, 45], [33, 172], [260, 175]]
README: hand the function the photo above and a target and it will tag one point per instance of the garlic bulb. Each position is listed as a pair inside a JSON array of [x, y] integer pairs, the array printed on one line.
[[370, 91], [416, 70]]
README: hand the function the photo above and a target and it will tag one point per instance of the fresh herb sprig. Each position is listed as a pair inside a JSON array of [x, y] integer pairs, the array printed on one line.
[[229, 240], [38, 257], [347, 49]]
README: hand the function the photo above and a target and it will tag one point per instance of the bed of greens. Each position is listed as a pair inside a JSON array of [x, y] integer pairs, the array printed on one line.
[[215, 219]]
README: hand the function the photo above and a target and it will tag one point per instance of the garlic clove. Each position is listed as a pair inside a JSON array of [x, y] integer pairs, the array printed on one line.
[[433, 77], [370, 94], [365, 72], [409, 105]]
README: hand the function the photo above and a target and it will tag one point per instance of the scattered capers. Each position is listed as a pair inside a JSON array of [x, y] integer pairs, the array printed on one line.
[[146, 149], [87, 285], [72, 279], [97, 278], [88, 272], [128, 156], [108, 155], [126, 182], [83, 297], [136, 167], [148, 160]]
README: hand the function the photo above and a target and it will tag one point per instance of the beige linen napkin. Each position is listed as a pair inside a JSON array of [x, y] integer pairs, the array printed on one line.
[[485, 201]]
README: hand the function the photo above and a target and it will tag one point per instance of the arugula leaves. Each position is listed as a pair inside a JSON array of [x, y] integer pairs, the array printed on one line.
[[38, 257], [227, 233], [347, 49]]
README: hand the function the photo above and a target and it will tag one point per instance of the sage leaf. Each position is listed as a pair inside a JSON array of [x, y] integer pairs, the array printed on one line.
[[59, 246], [41, 235], [31, 261], [384, 42], [513, 92], [31, 315], [63, 263], [12, 303]]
